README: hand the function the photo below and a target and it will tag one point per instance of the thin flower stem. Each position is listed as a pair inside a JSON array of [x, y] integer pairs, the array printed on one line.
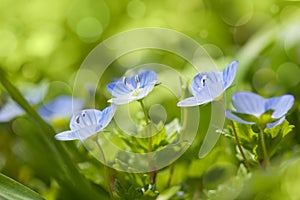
[[172, 169], [106, 169], [263, 145], [145, 112], [240, 147], [153, 172]]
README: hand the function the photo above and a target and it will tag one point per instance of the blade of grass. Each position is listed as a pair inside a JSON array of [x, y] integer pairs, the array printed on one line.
[[12, 190], [68, 173]]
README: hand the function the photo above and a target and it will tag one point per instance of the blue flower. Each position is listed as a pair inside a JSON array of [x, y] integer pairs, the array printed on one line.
[[207, 86], [60, 107], [254, 109], [133, 88], [86, 123], [33, 94]]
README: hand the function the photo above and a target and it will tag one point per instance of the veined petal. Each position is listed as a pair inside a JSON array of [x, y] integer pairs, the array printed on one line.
[[106, 116], [207, 85], [80, 134], [84, 118], [277, 122], [133, 88], [118, 88], [229, 74], [248, 103], [147, 77], [281, 105], [192, 101], [188, 102], [67, 135], [229, 114]]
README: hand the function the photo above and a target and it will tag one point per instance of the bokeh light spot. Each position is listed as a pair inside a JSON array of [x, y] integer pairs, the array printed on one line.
[[289, 73], [136, 9], [41, 43], [88, 19], [235, 12], [89, 29], [263, 81]]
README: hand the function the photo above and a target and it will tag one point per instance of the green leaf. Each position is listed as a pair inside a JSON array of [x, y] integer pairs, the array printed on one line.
[[248, 138], [276, 135], [283, 129], [12, 190]]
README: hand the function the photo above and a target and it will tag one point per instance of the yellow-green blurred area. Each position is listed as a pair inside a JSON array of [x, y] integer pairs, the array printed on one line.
[[47, 40]]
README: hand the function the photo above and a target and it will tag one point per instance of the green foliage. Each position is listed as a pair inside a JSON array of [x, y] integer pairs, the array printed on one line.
[[12, 190], [250, 140], [127, 189], [48, 40]]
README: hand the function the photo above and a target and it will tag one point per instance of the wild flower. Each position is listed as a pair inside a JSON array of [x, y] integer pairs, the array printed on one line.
[[136, 87], [254, 109], [86, 123], [208, 86]]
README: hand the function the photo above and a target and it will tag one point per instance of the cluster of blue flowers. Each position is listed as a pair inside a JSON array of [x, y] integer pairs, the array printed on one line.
[[205, 87], [88, 122], [250, 108]]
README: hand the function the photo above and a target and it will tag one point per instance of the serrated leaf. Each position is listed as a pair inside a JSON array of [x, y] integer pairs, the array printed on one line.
[[283, 129], [247, 136], [12, 190]]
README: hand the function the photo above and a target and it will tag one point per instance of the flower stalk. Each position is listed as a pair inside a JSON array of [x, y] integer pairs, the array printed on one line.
[[240, 147], [263, 146], [153, 172]]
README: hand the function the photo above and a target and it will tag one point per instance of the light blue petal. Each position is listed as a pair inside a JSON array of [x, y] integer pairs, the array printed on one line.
[[248, 103], [192, 101], [133, 88], [278, 122], [229, 74], [229, 114], [147, 77], [67, 135], [60, 107], [80, 134], [10, 111], [145, 91], [207, 85], [118, 88], [85, 118], [123, 99], [106, 116], [281, 105]]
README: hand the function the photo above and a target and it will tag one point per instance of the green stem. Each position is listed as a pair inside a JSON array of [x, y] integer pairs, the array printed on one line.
[[263, 145], [172, 169], [240, 147], [106, 169], [153, 172], [145, 112]]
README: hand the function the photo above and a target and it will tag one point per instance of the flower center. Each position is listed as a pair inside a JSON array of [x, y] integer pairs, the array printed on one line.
[[136, 91]]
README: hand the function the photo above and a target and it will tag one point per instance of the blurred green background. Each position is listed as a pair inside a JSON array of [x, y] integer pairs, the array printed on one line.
[[48, 40]]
